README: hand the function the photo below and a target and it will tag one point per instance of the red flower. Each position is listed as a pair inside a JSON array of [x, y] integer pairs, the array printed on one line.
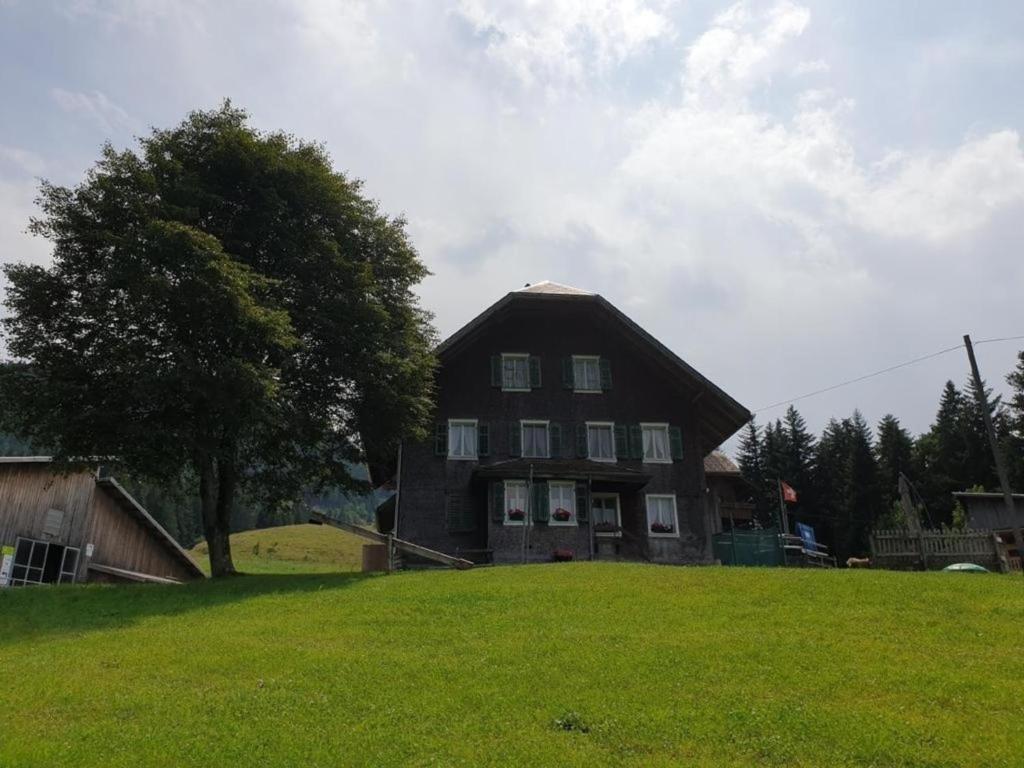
[[661, 528], [516, 514], [562, 515]]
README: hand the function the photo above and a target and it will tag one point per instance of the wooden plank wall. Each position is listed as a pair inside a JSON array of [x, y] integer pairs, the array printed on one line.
[[123, 541], [27, 491]]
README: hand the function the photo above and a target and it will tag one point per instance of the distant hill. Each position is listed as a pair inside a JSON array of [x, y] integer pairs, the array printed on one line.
[[299, 548]]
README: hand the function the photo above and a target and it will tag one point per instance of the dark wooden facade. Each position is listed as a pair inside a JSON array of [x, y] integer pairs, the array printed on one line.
[[89, 523], [458, 505]]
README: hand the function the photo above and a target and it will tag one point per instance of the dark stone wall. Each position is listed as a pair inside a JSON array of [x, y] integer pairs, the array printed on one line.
[[643, 390]]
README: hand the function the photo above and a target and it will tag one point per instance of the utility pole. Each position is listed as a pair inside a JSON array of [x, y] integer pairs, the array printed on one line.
[[1004, 483]]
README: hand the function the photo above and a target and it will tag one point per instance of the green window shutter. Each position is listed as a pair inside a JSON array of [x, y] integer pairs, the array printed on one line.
[[495, 370], [515, 439], [606, 373], [483, 440], [460, 512], [636, 441], [675, 440], [534, 372], [554, 440], [497, 501], [582, 503], [441, 438], [540, 504], [568, 376], [581, 441], [621, 442]]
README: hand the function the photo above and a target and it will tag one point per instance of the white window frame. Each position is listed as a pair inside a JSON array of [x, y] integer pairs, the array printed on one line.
[[476, 438], [518, 484], [675, 515], [596, 359], [611, 427], [515, 356], [618, 513], [668, 443], [547, 437], [573, 521]]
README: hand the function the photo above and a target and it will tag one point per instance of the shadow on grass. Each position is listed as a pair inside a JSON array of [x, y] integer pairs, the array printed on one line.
[[37, 613]]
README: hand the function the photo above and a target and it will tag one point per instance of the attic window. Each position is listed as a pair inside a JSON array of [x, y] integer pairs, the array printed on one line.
[[586, 373], [515, 372]]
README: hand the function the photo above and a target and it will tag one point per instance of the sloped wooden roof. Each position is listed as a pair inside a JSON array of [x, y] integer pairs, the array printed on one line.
[[720, 414]]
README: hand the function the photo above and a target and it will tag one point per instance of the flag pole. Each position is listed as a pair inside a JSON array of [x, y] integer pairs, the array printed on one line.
[[784, 521]]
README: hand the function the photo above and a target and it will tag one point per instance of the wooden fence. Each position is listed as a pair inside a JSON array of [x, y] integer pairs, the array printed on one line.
[[934, 550]]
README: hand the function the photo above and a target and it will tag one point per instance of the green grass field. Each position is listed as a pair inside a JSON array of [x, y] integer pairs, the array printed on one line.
[[580, 664], [291, 549]]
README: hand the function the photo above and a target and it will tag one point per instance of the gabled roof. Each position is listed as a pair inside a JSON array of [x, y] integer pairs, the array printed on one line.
[[722, 415], [717, 463]]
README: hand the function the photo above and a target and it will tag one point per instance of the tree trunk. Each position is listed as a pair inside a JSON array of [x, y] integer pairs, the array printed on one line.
[[217, 480]]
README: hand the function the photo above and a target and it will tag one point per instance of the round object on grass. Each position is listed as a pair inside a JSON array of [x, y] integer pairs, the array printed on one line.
[[966, 568]]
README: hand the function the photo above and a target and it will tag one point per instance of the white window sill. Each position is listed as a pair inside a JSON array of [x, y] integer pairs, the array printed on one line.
[[527, 456], [515, 523], [515, 389], [588, 391], [604, 461], [653, 535], [463, 458], [559, 524], [607, 535], [657, 461]]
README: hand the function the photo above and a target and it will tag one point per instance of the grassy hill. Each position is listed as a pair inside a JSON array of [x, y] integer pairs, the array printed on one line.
[[581, 664], [291, 549]]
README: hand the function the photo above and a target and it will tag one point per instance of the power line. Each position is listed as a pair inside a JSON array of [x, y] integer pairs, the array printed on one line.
[[884, 370]]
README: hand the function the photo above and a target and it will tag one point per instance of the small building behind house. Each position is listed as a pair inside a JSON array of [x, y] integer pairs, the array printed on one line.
[[730, 495], [988, 512], [75, 526]]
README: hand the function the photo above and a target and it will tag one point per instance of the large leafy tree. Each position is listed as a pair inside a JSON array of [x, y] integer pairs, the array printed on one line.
[[221, 304]]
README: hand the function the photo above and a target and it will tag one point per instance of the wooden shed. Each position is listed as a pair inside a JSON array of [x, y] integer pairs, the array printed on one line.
[[79, 526]]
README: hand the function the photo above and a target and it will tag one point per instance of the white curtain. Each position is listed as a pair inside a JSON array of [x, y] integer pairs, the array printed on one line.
[[600, 446], [655, 443], [517, 373], [535, 440]]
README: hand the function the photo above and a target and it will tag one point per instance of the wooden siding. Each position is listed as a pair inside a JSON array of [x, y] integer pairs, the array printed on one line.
[[28, 491], [121, 540], [643, 390], [92, 515]]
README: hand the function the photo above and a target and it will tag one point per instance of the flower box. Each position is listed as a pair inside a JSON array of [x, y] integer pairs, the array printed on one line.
[[516, 514], [661, 528], [562, 515], [562, 555]]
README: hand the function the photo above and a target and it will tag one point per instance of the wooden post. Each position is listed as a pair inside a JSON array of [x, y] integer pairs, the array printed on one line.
[[1004, 483]]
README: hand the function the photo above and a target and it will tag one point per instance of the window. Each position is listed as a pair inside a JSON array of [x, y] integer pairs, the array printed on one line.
[[40, 562], [462, 439], [515, 502], [535, 439], [661, 515], [586, 374], [601, 441], [655, 443], [605, 510], [563, 503], [515, 373]]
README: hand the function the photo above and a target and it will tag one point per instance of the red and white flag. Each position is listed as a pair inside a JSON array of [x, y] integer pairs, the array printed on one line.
[[788, 493]]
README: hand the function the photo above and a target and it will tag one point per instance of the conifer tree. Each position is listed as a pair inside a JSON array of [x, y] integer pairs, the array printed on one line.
[[894, 453], [1015, 426], [751, 462]]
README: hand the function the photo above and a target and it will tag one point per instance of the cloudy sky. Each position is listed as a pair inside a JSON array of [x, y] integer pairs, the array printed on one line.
[[789, 195]]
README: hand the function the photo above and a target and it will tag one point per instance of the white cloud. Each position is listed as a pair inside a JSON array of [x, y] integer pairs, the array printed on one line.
[[96, 108], [560, 42]]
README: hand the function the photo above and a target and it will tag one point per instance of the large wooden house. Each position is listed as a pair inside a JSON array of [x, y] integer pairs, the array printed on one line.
[[564, 430]]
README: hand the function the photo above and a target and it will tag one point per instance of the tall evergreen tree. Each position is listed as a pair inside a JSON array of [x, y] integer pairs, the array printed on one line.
[[751, 463], [798, 462], [1015, 425], [862, 499], [894, 452], [940, 457]]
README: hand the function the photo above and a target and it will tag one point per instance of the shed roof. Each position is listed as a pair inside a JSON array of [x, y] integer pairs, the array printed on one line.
[[723, 414], [717, 463]]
